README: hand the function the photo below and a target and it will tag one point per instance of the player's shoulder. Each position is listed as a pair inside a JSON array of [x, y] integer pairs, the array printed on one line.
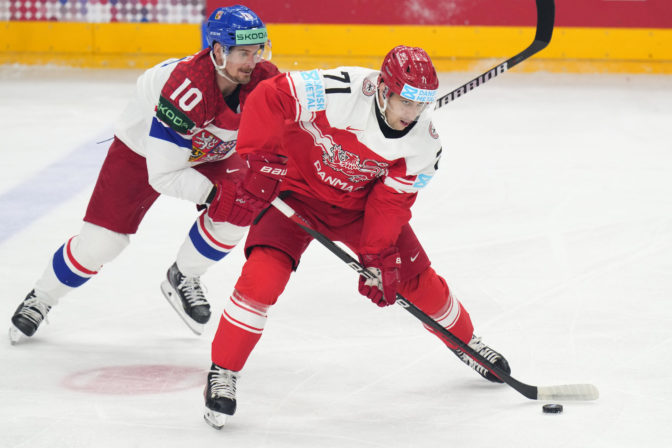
[[358, 81], [312, 88], [424, 134], [424, 126], [422, 147], [350, 72], [197, 68], [190, 96]]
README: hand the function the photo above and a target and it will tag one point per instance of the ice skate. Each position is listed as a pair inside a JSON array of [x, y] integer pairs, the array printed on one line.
[[220, 396], [185, 295], [494, 357], [27, 318]]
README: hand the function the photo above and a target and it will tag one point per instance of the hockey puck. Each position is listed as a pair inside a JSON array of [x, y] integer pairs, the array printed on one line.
[[552, 408]]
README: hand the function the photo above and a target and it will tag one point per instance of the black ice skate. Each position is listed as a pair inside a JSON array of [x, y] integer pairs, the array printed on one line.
[[220, 396], [489, 354], [27, 318], [185, 294]]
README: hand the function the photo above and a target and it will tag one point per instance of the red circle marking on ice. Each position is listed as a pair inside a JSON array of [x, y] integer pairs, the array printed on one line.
[[136, 379]]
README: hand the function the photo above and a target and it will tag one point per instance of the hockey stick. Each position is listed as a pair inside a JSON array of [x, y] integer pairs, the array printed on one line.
[[560, 392], [545, 21]]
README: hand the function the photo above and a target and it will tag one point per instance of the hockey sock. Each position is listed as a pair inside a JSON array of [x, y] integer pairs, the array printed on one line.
[[429, 292], [206, 244], [79, 259], [263, 279], [239, 330]]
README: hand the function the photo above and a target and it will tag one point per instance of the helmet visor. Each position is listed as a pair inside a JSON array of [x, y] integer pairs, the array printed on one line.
[[249, 53]]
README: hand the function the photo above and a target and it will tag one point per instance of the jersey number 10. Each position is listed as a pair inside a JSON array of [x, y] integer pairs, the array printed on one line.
[[190, 98]]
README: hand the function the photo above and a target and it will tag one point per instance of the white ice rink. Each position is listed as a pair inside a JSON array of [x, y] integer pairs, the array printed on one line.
[[551, 219]]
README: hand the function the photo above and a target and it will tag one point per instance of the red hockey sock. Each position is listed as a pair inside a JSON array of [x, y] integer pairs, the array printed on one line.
[[263, 279], [429, 292]]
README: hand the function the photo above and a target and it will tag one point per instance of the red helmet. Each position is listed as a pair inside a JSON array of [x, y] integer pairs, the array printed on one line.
[[409, 72]]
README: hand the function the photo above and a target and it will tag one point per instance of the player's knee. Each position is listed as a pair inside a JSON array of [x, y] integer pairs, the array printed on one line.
[[95, 245], [427, 290], [265, 274], [224, 232]]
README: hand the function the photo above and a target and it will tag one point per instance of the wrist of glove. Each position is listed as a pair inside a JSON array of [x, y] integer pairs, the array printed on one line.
[[381, 289], [240, 203], [264, 176], [235, 205]]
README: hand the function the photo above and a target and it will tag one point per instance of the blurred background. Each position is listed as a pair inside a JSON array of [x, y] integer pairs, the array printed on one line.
[[591, 36], [551, 220]]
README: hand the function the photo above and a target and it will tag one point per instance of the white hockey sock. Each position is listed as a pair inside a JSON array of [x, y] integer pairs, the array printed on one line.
[[207, 243]]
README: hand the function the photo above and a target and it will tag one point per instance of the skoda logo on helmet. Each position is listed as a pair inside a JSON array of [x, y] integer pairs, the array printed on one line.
[[235, 25], [249, 37]]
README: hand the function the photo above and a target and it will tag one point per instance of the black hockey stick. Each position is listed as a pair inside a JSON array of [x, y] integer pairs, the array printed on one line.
[[545, 21], [560, 392]]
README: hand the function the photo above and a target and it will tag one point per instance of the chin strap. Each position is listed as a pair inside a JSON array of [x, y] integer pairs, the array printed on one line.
[[221, 69], [383, 107]]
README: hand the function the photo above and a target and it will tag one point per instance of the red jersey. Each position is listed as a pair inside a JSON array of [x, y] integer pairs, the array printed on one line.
[[179, 119], [325, 122]]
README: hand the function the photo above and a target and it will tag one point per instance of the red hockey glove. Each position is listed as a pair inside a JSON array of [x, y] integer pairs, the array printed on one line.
[[264, 176], [240, 203], [382, 289]]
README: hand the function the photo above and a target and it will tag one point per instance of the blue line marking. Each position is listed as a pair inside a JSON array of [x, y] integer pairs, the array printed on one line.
[[47, 189]]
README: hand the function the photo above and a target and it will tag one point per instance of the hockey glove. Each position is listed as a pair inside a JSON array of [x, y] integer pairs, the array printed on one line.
[[382, 289], [262, 181], [240, 203]]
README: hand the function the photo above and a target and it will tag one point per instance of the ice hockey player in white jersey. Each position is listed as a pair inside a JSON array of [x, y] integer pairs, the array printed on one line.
[[360, 146], [176, 137]]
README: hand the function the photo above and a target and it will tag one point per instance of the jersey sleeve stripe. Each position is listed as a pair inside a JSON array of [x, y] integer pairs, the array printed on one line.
[[401, 180], [399, 187], [292, 89], [163, 132]]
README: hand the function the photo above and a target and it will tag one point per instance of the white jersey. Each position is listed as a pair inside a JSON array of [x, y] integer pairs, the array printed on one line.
[[340, 151], [178, 119]]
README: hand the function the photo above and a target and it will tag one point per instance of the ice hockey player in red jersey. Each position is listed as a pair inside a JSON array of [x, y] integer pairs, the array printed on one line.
[[176, 137], [360, 145]]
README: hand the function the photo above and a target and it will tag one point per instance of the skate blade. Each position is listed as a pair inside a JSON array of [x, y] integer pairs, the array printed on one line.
[[214, 419], [174, 301], [15, 335]]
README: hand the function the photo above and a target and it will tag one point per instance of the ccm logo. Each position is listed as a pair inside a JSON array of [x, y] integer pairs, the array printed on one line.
[[273, 171]]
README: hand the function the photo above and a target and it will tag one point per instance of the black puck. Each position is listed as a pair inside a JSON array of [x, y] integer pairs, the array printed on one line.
[[552, 408]]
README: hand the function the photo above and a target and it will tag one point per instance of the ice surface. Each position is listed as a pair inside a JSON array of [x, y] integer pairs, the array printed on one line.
[[551, 219]]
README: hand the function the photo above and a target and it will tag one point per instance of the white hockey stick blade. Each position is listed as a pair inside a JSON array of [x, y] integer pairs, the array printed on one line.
[[568, 392]]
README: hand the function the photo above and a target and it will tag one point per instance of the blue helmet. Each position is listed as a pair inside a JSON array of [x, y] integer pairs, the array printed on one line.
[[235, 25]]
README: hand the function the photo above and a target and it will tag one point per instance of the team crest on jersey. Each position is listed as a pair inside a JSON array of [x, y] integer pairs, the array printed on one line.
[[432, 131], [368, 88], [349, 164], [206, 147]]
